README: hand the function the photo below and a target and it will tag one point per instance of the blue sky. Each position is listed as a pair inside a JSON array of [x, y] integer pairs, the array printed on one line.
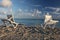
[[30, 8]]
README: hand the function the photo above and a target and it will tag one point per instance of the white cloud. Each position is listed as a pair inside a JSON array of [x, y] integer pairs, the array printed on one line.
[[6, 11], [50, 8], [5, 3], [20, 10], [3, 11], [56, 9], [27, 13], [33, 15], [6, 6], [38, 12]]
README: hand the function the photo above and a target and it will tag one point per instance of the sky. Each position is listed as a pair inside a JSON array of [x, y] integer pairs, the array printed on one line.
[[34, 9]]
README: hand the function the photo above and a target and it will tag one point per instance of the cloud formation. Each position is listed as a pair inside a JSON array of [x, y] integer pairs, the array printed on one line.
[[6, 3], [37, 11], [56, 10], [27, 14]]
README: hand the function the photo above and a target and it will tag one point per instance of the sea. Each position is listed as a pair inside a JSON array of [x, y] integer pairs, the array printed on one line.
[[33, 22]]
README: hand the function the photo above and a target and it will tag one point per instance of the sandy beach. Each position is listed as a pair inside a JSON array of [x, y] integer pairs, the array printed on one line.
[[29, 33]]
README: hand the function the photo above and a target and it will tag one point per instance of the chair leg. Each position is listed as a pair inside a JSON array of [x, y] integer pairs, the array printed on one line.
[[44, 26], [15, 25]]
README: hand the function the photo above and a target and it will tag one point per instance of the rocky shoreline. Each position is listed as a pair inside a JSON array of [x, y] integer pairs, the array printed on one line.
[[29, 33]]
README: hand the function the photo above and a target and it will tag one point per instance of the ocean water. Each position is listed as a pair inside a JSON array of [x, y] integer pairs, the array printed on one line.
[[33, 22], [29, 22]]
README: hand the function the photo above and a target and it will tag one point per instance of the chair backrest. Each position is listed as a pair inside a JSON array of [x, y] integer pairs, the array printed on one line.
[[47, 18], [10, 17]]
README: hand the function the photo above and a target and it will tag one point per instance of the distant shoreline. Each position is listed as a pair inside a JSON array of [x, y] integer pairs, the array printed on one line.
[[33, 19]]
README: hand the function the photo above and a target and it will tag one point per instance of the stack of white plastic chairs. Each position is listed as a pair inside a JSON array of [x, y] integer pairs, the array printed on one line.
[[49, 21]]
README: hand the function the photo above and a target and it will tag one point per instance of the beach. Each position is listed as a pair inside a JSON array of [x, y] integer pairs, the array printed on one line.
[[21, 32], [29, 19]]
